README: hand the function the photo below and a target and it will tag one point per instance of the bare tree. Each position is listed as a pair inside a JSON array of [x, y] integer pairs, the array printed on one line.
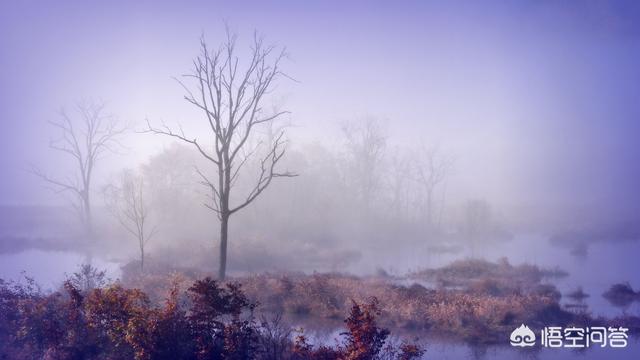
[[365, 142], [431, 169], [85, 139], [127, 201], [230, 100]]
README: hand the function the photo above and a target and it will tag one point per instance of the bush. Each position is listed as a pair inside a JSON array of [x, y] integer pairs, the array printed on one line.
[[208, 321], [364, 338]]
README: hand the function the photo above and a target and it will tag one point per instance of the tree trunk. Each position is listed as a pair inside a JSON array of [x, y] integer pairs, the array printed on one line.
[[142, 256], [224, 223], [88, 221]]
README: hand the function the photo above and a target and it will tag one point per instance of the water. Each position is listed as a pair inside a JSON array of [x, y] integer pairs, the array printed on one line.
[[445, 349], [605, 264], [49, 268]]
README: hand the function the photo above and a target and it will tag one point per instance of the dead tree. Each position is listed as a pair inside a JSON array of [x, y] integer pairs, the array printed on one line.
[[431, 170], [84, 139], [126, 199], [230, 95]]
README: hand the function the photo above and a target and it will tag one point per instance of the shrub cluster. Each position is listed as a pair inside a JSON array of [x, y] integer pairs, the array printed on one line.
[[208, 320]]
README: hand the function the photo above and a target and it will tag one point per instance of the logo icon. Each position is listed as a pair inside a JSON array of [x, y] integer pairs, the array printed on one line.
[[522, 336]]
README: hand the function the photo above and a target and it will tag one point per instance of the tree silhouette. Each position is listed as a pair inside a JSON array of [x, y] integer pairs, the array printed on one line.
[[85, 139], [230, 100]]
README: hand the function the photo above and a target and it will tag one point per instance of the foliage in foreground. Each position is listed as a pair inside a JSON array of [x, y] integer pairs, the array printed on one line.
[[207, 321]]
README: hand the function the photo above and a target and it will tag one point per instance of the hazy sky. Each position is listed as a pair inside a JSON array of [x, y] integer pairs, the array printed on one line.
[[538, 100]]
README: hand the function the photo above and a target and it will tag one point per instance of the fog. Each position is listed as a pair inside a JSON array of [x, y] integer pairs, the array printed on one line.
[[454, 170], [527, 114]]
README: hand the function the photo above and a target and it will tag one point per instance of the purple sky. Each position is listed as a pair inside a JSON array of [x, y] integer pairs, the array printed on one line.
[[540, 100]]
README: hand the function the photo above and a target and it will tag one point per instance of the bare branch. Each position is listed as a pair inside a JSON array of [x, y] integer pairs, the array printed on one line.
[[84, 139], [229, 93], [267, 172], [165, 130], [126, 200]]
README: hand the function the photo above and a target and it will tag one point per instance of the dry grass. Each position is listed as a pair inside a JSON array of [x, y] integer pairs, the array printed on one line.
[[477, 317], [488, 301], [470, 273]]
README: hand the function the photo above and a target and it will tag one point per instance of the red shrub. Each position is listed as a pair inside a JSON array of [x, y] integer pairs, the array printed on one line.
[[209, 321], [364, 338]]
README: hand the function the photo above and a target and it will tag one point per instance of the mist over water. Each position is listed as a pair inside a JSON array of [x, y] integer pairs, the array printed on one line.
[[413, 135]]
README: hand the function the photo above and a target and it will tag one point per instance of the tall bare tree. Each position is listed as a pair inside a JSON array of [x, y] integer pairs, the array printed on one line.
[[126, 199], [230, 95], [85, 139], [432, 168]]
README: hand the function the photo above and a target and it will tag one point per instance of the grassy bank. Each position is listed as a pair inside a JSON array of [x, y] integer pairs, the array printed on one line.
[[471, 300]]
